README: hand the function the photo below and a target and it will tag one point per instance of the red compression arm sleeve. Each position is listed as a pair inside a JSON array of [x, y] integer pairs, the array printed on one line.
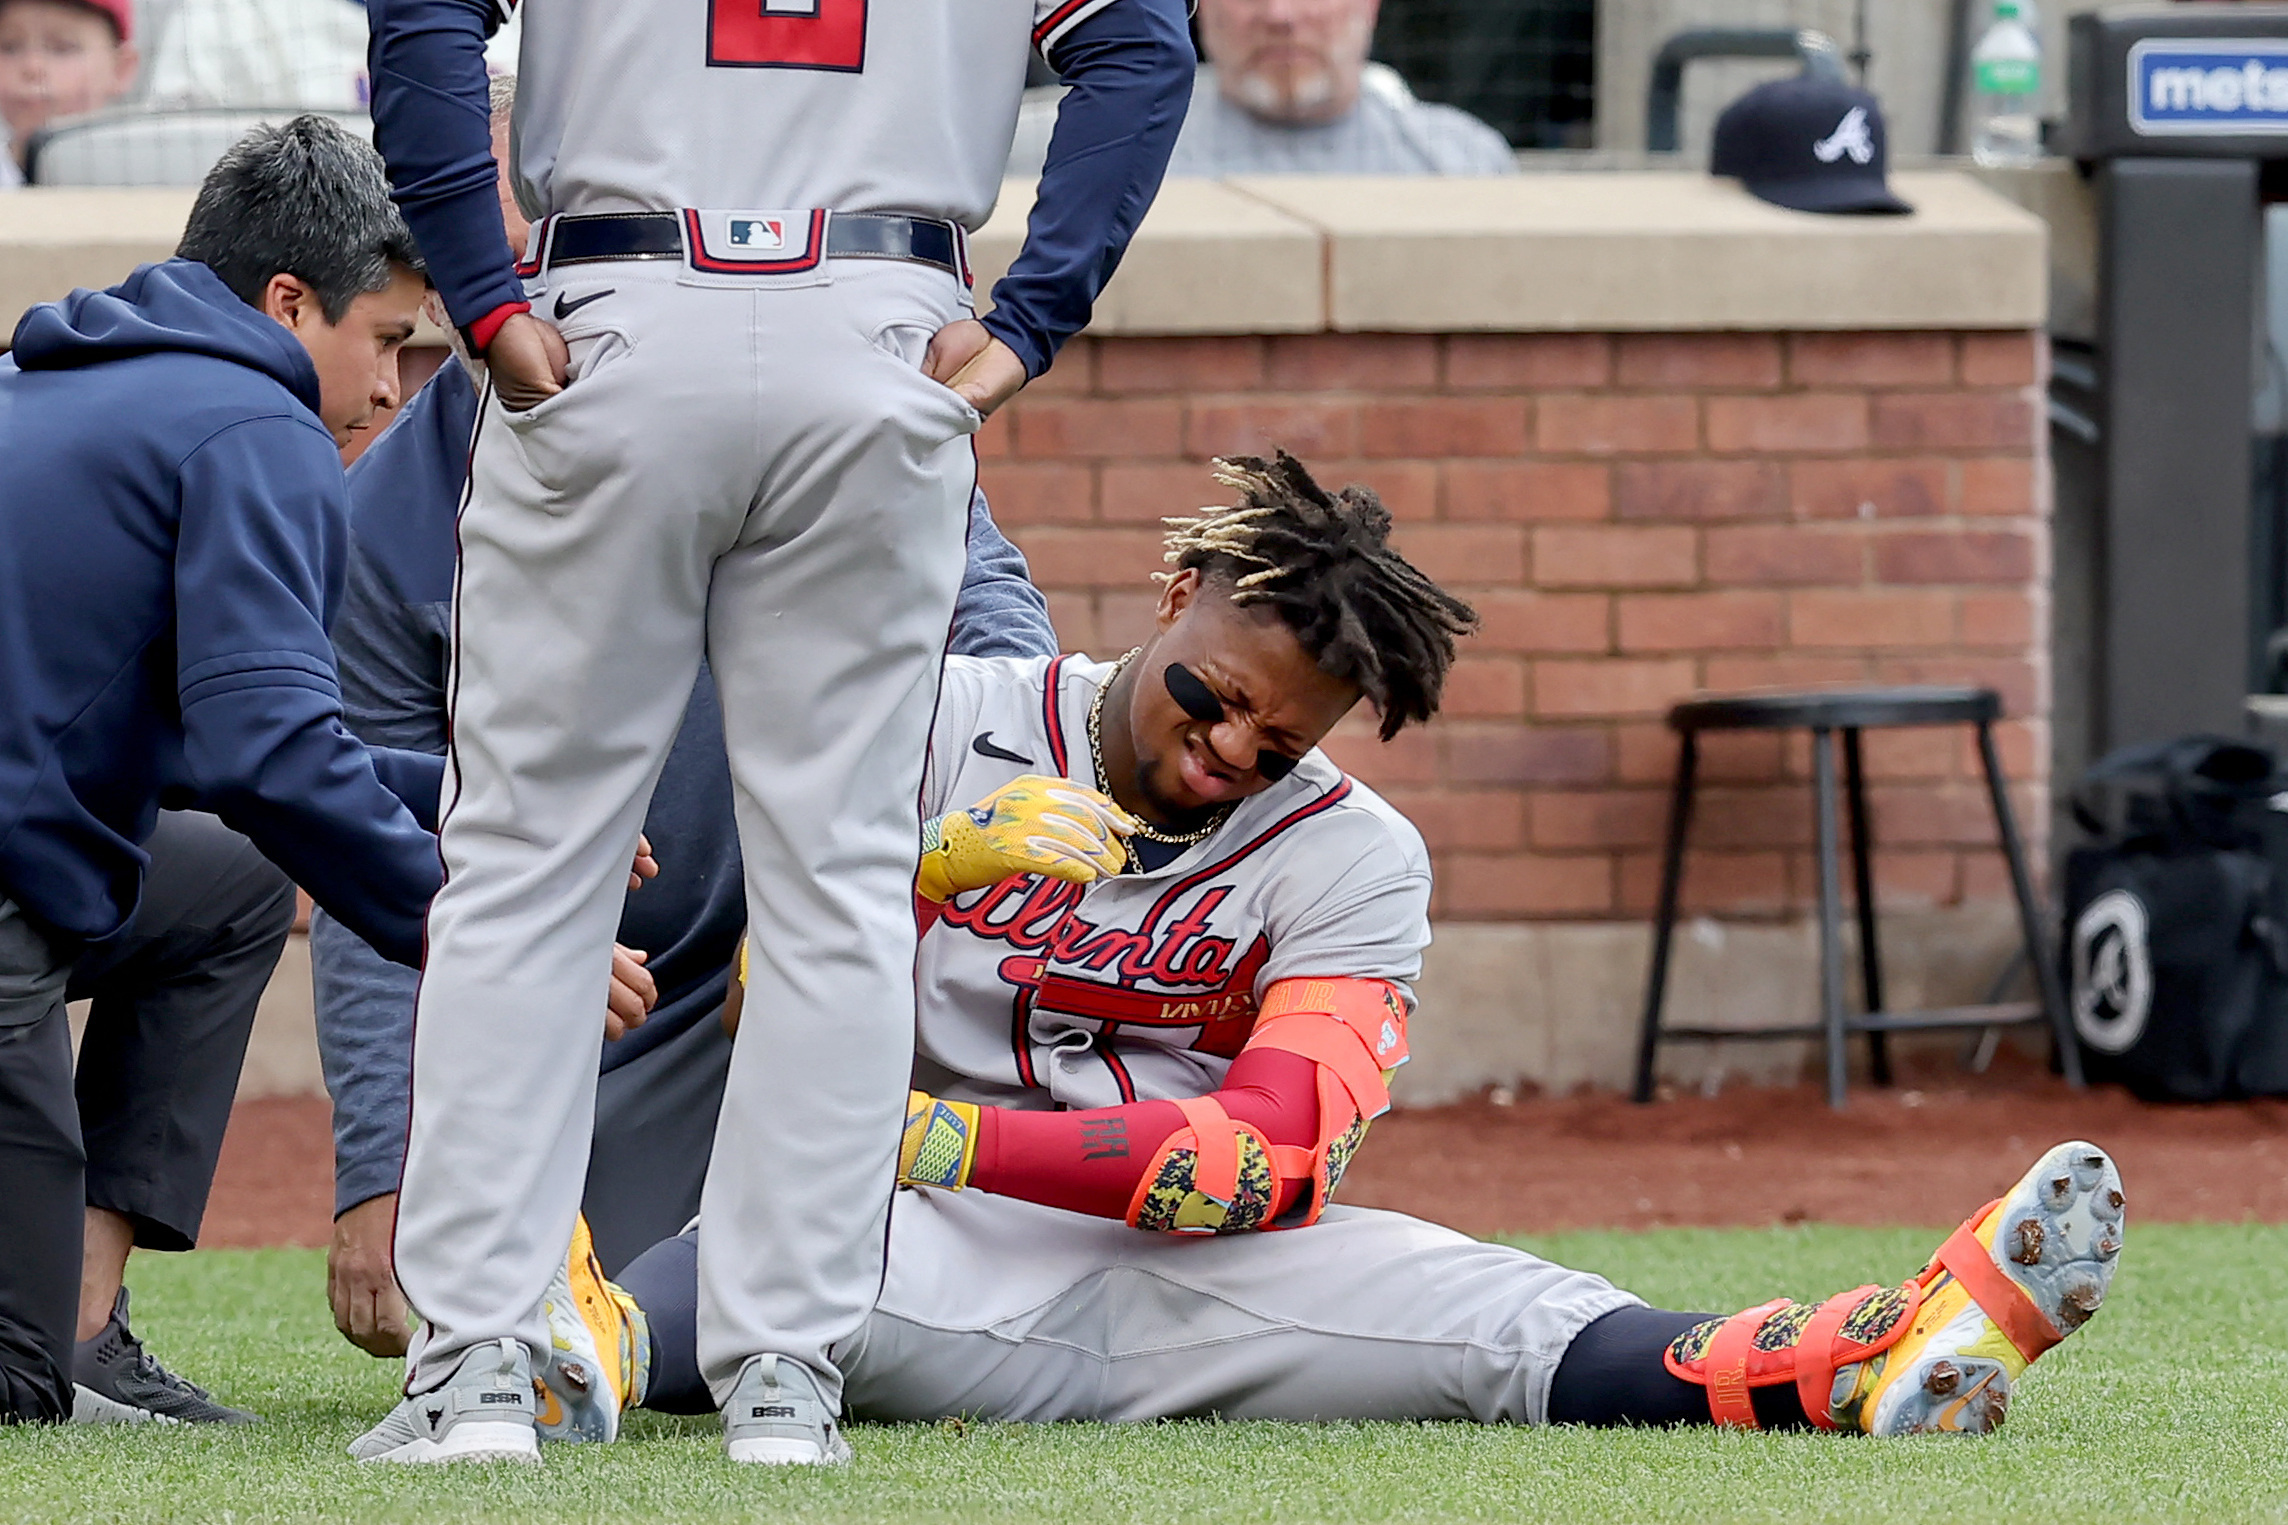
[[1092, 1161]]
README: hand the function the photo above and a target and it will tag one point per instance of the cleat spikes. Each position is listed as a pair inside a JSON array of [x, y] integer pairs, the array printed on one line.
[[2050, 1246], [2078, 1302]]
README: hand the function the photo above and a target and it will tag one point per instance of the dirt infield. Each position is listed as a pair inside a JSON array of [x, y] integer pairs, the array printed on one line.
[[1924, 1152]]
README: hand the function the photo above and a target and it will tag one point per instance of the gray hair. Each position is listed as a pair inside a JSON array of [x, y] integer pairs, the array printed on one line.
[[308, 200]]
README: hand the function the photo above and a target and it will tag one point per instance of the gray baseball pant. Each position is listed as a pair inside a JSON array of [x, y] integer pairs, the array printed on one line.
[[1001, 1309], [753, 469]]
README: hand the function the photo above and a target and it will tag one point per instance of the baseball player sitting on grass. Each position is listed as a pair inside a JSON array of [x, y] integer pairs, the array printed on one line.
[[1165, 978]]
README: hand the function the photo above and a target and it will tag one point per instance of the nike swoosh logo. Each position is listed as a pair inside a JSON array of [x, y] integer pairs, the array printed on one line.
[[565, 309], [1950, 1417], [983, 746]]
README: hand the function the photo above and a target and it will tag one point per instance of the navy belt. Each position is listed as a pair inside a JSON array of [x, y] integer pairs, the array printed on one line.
[[659, 235]]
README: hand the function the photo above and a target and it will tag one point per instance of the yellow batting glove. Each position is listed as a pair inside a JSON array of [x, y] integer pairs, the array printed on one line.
[[940, 1142], [1030, 825]]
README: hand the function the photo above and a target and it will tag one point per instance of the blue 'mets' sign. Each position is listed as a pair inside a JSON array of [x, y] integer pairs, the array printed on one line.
[[2210, 85]]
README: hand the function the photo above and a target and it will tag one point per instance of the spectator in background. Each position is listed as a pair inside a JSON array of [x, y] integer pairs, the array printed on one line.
[[59, 58], [261, 53], [1285, 89]]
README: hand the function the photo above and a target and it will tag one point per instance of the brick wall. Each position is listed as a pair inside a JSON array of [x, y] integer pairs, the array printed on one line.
[[1638, 517]]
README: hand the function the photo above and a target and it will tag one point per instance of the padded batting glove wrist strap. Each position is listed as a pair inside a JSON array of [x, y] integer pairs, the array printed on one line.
[[939, 1146]]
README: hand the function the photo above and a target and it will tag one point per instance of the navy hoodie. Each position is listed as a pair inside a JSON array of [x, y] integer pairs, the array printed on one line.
[[173, 540]]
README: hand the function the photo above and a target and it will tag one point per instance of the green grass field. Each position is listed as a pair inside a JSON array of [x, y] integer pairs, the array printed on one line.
[[2173, 1404]]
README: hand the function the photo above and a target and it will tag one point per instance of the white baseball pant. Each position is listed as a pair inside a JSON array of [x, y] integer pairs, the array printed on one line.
[[753, 468]]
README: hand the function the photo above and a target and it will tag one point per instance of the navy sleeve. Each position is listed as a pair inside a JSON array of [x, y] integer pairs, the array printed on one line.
[[262, 540], [416, 778], [393, 632], [365, 1046], [393, 656], [1130, 67], [999, 613], [432, 123]]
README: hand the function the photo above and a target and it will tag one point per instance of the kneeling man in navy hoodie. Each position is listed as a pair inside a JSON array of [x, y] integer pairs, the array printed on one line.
[[173, 540]]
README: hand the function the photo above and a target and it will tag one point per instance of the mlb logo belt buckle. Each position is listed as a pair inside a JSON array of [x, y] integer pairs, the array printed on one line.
[[756, 242]]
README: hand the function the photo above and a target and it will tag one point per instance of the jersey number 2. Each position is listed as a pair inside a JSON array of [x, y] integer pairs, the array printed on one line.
[[787, 34]]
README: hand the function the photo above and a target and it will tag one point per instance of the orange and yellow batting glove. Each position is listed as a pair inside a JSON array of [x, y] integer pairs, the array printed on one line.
[[1034, 824]]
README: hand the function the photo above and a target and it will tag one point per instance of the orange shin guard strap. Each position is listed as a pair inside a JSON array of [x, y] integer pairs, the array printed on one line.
[[1815, 1353], [1215, 1146], [1725, 1370], [1998, 1297]]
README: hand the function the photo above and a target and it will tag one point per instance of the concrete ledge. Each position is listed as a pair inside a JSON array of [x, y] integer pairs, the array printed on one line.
[[1558, 1004], [1206, 260], [1633, 251], [1668, 251], [54, 239]]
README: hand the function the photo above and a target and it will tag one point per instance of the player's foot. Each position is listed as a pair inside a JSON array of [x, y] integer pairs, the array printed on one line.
[[777, 1417], [2011, 1282], [1939, 1352], [483, 1412], [599, 1358], [116, 1381]]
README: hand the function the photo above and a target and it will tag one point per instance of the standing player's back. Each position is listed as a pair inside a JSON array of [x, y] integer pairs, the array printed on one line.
[[857, 105]]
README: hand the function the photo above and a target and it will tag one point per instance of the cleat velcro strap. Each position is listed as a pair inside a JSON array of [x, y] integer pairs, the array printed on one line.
[[1815, 1353], [1726, 1368], [1215, 1145], [2019, 1318]]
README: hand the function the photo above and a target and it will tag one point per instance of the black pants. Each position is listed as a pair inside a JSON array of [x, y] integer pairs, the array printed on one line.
[[173, 996]]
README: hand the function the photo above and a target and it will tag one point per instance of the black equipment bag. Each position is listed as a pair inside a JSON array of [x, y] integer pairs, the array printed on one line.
[[2176, 968]]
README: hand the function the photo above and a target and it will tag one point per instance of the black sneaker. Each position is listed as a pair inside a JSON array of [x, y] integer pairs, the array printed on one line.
[[116, 1381]]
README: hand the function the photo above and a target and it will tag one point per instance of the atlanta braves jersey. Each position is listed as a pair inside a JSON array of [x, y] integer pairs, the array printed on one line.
[[1039, 993], [635, 107], [888, 106]]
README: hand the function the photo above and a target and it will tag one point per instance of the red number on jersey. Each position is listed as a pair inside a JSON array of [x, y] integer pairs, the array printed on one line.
[[787, 34]]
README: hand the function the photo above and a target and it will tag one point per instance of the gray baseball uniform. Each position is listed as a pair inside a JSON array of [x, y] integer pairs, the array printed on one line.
[[1038, 994], [752, 223]]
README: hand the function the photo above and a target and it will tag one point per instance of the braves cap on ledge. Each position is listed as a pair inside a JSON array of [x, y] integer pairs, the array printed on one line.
[[1811, 144]]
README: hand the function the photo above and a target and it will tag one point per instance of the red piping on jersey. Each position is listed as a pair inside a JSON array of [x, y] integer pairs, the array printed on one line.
[[1120, 1075], [1057, 18], [808, 260], [1021, 1036], [1177, 890], [1052, 722]]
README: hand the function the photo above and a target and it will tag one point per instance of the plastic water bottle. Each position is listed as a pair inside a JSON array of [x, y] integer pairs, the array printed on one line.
[[2006, 75]]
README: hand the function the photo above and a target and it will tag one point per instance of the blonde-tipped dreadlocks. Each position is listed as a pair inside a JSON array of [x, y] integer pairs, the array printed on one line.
[[1325, 563]]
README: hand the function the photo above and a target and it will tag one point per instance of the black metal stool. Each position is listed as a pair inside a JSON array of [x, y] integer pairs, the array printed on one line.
[[1824, 712]]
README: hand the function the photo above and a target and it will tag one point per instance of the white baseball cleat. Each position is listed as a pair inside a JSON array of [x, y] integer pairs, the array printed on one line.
[[483, 1412], [776, 1416]]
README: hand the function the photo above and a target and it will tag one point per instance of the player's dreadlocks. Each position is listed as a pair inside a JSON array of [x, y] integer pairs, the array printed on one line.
[[1325, 563]]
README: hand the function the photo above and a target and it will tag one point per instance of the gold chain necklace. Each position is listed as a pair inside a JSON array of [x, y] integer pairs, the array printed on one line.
[[1144, 828]]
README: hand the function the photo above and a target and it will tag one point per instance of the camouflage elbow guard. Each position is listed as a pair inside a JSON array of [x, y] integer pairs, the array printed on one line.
[[1172, 1199]]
